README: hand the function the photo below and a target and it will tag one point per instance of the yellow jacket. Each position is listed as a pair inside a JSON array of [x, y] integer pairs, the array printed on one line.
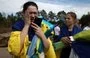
[[14, 46]]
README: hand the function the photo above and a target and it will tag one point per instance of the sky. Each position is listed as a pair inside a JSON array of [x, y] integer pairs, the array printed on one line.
[[80, 7]]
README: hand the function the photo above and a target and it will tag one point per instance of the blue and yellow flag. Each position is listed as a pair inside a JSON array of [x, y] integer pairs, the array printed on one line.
[[47, 27]]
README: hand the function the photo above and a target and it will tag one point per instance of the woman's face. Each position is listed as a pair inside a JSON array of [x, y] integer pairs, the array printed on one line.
[[32, 12], [69, 20]]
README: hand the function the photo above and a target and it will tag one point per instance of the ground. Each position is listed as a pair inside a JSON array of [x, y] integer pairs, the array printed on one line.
[[4, 53], [4, 36]]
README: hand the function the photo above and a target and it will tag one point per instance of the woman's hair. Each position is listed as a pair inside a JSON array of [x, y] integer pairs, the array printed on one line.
[[29, 3], [73, 15]]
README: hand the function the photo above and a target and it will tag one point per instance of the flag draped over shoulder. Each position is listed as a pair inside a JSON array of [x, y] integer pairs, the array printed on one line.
[[81, 44], [46, 28]]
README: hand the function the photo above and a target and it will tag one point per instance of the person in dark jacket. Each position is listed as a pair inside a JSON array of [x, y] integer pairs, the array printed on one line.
[[69, 29]]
